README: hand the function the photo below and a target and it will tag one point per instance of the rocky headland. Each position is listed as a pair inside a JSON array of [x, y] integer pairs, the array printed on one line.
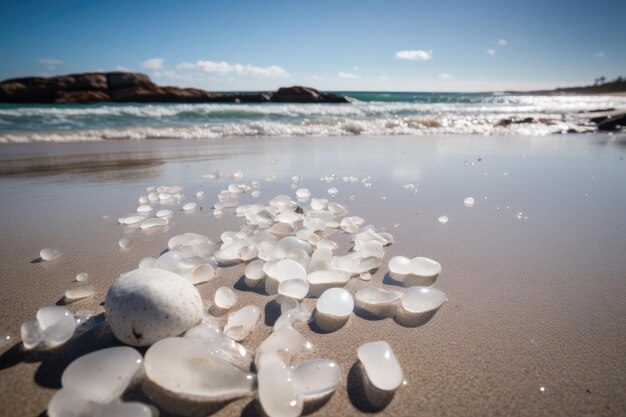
[[130, 87]]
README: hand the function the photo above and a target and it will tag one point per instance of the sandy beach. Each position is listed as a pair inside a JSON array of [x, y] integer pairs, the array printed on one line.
[[534, 272]]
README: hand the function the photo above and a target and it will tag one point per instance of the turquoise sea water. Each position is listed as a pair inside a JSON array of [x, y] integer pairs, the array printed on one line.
[[373, 113]]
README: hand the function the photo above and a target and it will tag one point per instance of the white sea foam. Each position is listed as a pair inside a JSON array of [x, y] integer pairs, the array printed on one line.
[[478, 115]]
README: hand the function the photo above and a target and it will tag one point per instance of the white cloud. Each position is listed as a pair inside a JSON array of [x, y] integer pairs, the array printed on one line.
[[600, 54], [49, 62], [347, 75], [491, 52], [224, 68], [121, 68], [445, 76], [153, 63], [502, 42], [414, 55]]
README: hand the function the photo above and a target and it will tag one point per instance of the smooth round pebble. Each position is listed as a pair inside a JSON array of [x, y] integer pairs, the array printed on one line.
[[149, 304]]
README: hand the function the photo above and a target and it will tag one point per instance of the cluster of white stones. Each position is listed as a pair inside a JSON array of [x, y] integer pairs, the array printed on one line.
[[289, 254], [53, 326]]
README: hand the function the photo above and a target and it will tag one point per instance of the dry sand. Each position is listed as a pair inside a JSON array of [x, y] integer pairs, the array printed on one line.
[[535, 324]]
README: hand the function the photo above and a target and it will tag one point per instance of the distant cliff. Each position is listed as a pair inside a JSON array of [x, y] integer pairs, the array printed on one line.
[[130, 87]]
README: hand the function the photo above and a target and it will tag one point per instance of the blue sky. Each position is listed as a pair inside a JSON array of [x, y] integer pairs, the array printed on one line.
[[332, 45]]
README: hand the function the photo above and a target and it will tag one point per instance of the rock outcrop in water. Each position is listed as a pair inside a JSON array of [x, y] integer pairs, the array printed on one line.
[[129, 87]]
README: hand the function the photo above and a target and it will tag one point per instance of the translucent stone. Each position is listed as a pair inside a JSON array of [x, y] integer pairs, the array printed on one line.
[[48, 254], [187, 239], [126, 409], [377, 301], [164, 213], [143, 199], [70, 403], [132, 219], [147, 262], [288, 244], [399, 265], [221, 345], [333, 191], [200, 195], [254, 274], [225, 298], [294, 288], [303, 193], [291, 311], [277, 393], [319, 281], [319, 203], [82, 276], [316, 378], [190, 206], [339, 210], [335, 302], [242, 322], [283, 229], [79, 292], [286, 340], [103, 375], [153, 222], [365, 276], [381, 366], [468, 202], [57, 324], [443, 219], [320, 259], [125, 243], [148, 304], [199, 273], [188, 368], [255, 193], [32, 334], [424, 267], [422, 300], [144, 208]]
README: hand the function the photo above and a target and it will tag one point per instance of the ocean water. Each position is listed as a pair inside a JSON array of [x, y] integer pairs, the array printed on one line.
[[374, 113]]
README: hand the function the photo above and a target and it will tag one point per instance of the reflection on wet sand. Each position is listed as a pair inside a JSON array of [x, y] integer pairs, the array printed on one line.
[[102, 162]]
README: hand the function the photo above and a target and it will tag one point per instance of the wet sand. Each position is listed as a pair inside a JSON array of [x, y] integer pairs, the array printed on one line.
[[535, 324]]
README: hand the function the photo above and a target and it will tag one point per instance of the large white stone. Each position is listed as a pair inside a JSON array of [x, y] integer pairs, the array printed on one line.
[[149, 304], [188, 368], [103, 375]]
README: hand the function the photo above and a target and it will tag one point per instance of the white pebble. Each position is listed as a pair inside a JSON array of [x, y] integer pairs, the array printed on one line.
[[190, 206], [148, 304], [57, 325], [225, 298], [79, 292], [468, 202], [242, 322], [333, 309], [82, 276], [443, 219], [153, 222], [125, 243], [381, 366], [48, 254]]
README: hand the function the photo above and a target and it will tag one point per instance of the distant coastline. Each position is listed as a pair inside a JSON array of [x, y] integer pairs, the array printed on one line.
[[615, 87]]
